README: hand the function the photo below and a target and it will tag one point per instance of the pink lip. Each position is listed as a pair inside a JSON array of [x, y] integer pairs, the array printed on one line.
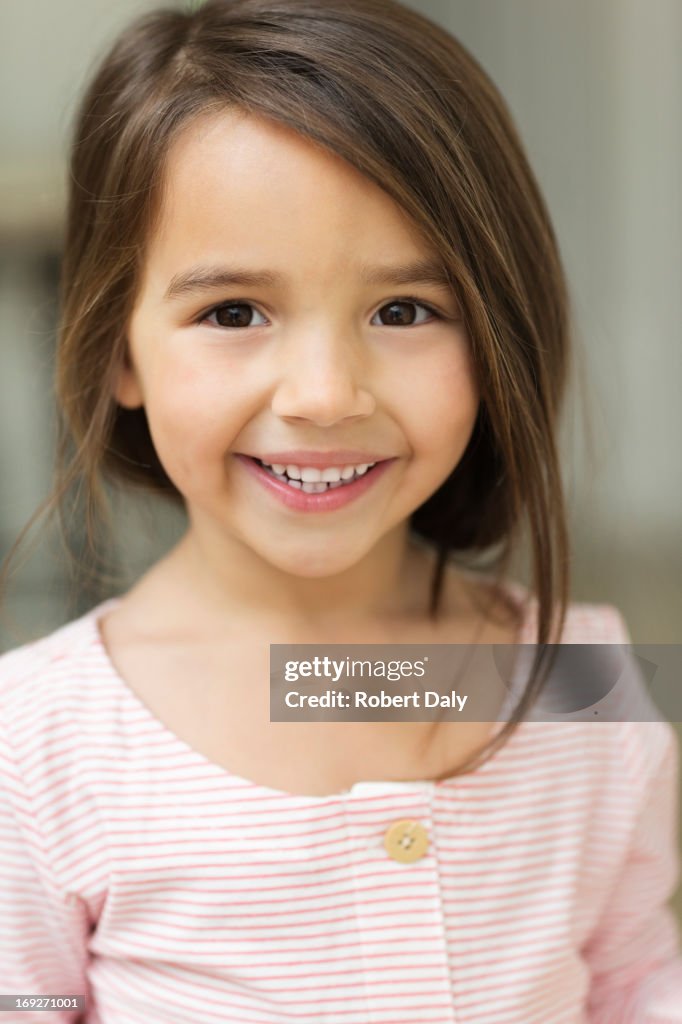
[[301, 457], [326, 501]]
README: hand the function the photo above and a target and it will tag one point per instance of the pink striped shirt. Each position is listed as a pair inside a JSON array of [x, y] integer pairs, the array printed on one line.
[[168, 890]]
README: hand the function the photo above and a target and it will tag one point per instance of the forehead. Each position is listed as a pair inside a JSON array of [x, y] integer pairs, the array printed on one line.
[[248, 187]]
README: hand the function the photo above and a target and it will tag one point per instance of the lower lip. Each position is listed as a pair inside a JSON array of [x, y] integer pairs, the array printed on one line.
[[327, 500]]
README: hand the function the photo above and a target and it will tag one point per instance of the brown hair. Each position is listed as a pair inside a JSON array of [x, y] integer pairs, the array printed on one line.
[[403, 101]]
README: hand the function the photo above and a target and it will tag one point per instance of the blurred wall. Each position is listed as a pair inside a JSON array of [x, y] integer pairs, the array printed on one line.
[[46, 49], [595, 87]]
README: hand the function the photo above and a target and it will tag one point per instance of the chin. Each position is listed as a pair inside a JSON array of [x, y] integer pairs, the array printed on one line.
[[313, 565]]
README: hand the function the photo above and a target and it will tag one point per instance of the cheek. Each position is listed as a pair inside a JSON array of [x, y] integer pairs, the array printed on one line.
[[193, 418], [443, 408]]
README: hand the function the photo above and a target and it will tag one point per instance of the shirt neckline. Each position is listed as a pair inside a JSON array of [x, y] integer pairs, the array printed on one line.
[[374, 787]]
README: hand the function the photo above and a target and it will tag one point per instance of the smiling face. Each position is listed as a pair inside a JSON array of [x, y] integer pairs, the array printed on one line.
[[321, 359]]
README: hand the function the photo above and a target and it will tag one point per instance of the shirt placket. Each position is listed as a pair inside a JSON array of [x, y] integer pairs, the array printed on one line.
[[398, 903]]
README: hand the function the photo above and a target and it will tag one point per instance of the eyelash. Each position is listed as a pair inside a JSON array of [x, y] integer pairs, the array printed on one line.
[[243, 302]]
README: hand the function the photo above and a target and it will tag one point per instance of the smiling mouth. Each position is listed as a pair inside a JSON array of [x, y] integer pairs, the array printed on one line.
[[314, 486]]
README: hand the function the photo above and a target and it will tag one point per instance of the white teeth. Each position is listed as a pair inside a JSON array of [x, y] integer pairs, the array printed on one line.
[[313, 480], [311, 474]]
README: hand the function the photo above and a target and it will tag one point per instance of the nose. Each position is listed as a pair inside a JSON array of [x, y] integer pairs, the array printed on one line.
[[323, 380]]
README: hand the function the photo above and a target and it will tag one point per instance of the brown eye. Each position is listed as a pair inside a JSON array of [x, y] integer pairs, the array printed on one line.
[[401, 313], [232, 314]]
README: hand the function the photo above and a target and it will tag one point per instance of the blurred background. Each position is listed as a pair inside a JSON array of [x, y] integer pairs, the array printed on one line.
[[595, 88]]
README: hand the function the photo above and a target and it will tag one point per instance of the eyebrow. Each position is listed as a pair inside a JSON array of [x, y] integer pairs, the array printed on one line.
[[204, 278]]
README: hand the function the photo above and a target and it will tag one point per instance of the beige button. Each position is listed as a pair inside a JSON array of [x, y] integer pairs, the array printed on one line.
[[406, 841]]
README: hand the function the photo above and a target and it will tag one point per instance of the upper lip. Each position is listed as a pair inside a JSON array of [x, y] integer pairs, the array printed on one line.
[[300, 457]]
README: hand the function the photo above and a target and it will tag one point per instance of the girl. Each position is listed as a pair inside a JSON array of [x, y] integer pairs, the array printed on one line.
[[311, 293]]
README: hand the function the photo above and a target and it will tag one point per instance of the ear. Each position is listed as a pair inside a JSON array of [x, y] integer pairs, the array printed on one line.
[[127, 389]]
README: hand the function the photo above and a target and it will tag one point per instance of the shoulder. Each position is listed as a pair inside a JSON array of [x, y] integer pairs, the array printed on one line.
[[637, 743], [512, 605], [34, 664], [53, 751], [43, 689], [585, 622]]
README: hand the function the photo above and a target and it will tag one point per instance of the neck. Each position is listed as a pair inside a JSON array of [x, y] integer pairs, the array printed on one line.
[[235, 584]]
